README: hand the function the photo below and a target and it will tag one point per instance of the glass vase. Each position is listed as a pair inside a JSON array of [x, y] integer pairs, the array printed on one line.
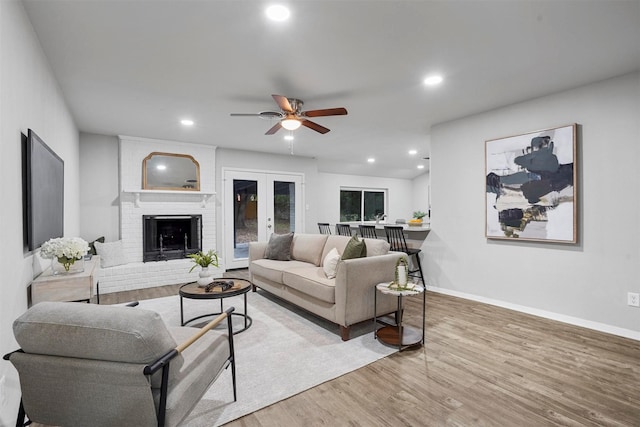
[[63, 265]]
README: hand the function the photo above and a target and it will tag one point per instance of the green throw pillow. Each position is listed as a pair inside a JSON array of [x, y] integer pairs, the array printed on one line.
[[355, 249], [279, 247]]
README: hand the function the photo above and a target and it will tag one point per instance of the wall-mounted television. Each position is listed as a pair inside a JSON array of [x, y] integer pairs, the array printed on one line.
[[44, 192]]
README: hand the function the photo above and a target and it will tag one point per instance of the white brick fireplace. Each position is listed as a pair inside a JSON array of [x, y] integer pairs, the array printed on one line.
[[136, 202]]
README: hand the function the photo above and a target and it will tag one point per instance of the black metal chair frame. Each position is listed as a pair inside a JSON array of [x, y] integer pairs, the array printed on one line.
[[395, 237], [343, 230], [367, 231], [324, 228]]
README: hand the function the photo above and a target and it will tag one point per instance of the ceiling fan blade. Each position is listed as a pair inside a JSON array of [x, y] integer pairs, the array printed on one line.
[[274, 129], [315, 126], [283, 103], [261, 114], [325, 112]]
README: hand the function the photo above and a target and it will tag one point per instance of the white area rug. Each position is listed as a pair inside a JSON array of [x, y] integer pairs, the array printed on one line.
[[283, 353]]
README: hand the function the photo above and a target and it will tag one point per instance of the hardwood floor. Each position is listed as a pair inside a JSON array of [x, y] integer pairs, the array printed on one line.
[[481, 366]]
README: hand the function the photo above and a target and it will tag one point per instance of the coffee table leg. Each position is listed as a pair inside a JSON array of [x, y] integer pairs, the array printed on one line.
[[245, 310], [181, 312]]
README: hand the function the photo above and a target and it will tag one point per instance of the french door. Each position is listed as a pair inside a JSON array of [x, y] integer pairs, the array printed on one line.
[[257, 204]]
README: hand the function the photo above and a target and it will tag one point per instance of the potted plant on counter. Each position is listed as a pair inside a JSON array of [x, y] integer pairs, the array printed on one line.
[[417, 218], [204, 260]]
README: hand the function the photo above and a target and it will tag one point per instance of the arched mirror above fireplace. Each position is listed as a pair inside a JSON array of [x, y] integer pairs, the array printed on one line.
[[169, 171]]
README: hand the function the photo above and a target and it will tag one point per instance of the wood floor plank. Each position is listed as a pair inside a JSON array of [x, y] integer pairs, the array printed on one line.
[[481, 365]]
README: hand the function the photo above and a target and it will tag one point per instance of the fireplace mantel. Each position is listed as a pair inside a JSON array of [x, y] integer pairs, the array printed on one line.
[[141, 195]]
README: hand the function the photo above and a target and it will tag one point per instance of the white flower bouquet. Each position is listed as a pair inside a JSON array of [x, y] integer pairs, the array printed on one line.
[[65, 249]]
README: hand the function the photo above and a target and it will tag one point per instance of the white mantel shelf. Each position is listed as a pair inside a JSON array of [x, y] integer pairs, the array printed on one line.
[[202, 196]]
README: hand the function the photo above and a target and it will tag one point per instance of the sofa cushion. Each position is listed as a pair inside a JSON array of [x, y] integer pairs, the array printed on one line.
[[308, 248], [279, 247], [272, 269], [355, 249], [330, 263], [377, 247], [311, 281]]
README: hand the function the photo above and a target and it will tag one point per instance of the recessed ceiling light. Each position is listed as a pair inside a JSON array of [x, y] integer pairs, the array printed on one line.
[[187, 122], [278, 13], [420, 166], [413, 152], [433, 80], [371, 160], [288, 137]]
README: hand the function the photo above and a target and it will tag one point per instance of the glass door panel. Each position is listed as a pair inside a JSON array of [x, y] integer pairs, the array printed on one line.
[[284, 207], [245, 216], [255, 206]]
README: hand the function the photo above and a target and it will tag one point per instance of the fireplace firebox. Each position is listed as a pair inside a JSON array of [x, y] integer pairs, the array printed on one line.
[[168, 237]]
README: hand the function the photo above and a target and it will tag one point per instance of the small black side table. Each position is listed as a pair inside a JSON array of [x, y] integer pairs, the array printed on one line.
[[396, 334], [192, 291]]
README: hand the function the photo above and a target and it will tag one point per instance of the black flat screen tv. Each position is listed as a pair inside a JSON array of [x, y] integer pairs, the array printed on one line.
[[44, 188]]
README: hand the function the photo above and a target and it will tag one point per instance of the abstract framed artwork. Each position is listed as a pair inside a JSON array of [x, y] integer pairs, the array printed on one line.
[[531, 186]]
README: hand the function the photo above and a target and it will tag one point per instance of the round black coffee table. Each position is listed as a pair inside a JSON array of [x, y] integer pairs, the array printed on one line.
[[192, 291]]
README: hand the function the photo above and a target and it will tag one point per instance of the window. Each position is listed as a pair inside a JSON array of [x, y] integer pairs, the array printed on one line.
[[358, 204]]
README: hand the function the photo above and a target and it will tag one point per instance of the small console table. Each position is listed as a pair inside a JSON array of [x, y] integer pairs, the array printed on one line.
[[397, 334], [67, 287]]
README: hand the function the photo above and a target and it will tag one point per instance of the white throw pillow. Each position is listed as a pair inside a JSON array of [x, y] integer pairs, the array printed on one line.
[[330, 263], [110, 253]]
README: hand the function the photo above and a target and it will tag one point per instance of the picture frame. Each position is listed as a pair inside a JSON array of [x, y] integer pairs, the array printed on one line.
[[531, 186]]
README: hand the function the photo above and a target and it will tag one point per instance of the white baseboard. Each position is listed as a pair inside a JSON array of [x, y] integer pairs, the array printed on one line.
[[602, 327]]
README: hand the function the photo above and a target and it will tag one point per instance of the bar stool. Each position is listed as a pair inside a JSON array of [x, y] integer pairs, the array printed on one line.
[[395, 237], [368, 231], [343, 230], [324, 227]]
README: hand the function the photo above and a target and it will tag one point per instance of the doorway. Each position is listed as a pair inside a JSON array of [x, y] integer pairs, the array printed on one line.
[[256, 205]]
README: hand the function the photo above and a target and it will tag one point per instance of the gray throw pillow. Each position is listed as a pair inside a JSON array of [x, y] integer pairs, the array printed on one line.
[[355, 248], [279, 247]]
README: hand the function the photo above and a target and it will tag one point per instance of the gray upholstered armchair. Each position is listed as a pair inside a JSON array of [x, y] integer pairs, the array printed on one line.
[[86, 364]]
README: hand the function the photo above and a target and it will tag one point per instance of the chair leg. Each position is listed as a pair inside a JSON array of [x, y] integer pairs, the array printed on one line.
[[417, 258], [21, 415], [233, 378]]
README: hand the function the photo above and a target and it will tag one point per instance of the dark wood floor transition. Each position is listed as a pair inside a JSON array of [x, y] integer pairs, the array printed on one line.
[[481, 366]]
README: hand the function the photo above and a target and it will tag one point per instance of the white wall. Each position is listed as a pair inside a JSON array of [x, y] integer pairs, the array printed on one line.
[[420, 190], [99, 189], [400, 195], [585, 283], [29, 98]]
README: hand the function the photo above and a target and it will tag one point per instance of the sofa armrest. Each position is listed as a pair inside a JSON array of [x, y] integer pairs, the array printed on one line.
[[355, 286], [256, 250]]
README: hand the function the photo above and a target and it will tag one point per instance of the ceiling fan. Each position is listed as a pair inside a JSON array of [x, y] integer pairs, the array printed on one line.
[[291, 117]]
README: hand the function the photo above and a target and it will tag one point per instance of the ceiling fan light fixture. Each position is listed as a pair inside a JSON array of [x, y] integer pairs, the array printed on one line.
[[433, 80], [291, 124], [277, 13]]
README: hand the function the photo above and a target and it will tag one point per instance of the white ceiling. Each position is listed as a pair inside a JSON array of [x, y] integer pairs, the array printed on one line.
[[138, 67]]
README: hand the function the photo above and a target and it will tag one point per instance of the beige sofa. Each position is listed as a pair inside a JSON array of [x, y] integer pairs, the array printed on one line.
[[348, 298]]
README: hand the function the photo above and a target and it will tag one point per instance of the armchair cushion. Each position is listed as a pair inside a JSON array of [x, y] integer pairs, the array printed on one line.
[[89, 331]]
